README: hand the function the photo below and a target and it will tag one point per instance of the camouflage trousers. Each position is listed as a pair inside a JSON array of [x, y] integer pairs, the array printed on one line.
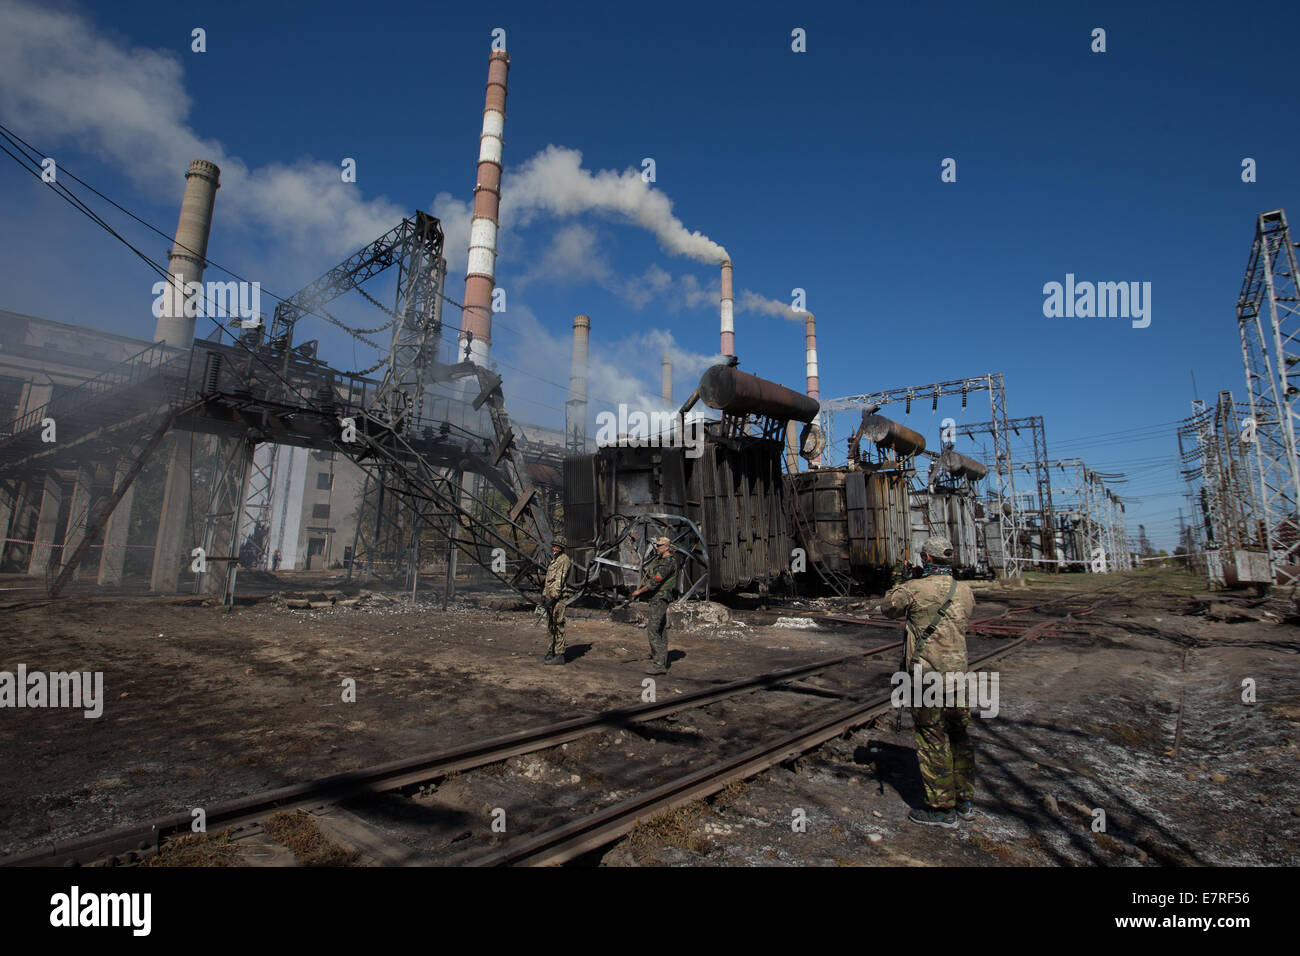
[[555, 624], [656, 630], [946, 755]]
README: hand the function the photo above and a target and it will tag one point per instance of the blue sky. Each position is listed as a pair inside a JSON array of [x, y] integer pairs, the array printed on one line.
[[818, 170]]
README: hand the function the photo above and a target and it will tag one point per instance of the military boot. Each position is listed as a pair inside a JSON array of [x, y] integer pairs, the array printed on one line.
[[656, 668], [555, 659], [548, 658], [932, 817], [965, 809]]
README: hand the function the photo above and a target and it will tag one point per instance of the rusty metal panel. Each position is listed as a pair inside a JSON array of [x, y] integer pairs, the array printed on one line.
[[727, 522], [855, 510], [672, 488], [580, 512]]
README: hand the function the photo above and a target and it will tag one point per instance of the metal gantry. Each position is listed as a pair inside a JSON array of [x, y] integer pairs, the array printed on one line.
[[1042, 475], [1216, 448], [1003, 465], [1092, 517], [1268, 319]]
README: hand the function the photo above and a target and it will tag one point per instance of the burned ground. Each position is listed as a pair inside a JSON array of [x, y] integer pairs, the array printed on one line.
[[1135, 710]]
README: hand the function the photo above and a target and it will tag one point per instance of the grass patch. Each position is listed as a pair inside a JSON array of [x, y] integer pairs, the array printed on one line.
[[197, 849], [300, 834], [682, 827]]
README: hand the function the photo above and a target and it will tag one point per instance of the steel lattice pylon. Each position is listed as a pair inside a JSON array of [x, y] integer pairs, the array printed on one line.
[[1268, 318], [1042, 477]]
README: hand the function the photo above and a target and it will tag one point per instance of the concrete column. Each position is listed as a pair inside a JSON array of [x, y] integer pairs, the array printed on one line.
[[17, 523], [112, 558], [8, 508], [169, 548], [47, 525], [78, 512]]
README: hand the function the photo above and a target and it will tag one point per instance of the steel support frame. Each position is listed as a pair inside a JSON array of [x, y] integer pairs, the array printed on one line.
[[1268, 320]]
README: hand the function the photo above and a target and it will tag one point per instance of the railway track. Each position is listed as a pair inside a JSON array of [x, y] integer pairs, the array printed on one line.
[[136, 844], [572, 840]]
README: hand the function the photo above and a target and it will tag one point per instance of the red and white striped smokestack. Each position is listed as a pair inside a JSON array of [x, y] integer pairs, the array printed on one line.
[[480, 278], [810, 346], [810, 353], [728, 304]]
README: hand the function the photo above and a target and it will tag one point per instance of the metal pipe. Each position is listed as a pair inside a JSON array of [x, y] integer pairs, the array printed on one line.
[[189, 252], [727, 311], [480, 278], [728, 389]]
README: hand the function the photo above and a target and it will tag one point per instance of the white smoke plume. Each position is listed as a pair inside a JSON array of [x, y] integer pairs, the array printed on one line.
[[64, 84], [753, 302], [553, 181]]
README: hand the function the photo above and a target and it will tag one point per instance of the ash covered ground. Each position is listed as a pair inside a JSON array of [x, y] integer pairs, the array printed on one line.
[[1135, 710]]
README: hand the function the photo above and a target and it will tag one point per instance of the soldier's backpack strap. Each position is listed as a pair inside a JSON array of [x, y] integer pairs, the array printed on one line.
[[934, 624]]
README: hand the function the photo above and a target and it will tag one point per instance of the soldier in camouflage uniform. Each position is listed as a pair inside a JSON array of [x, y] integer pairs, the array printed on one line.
[[659, 580], [553, 594], [937, 608]]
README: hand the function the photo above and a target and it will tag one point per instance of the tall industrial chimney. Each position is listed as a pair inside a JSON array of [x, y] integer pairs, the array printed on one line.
[[188, 252], [810, 351], [480, 278], [728, 304], [666, 381], [575, 409], [810, 346]]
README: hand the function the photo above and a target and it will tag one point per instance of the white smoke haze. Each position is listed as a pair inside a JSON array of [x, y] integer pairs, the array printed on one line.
[[753, 302], [63, 84], [535, 364]]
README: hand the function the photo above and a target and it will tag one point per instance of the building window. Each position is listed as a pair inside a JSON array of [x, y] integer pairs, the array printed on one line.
[[324, 481], [320, 511]]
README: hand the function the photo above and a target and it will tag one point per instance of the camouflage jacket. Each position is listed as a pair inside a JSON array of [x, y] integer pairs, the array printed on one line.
[[659, 578], [557, 575], [919, 601]]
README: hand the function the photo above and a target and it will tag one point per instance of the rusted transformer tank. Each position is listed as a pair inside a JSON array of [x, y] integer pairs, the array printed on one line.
[[720, 499], [949, 506], [854, 521]]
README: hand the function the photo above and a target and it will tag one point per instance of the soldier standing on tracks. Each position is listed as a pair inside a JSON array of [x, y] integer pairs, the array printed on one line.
[[553, 594], [937, 607], [659, 580]]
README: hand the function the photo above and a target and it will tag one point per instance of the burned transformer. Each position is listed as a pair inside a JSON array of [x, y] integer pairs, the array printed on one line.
[[713, 487]]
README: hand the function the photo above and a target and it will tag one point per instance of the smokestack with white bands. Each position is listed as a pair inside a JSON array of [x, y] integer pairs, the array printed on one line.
[[727, 308], [480, 278]]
